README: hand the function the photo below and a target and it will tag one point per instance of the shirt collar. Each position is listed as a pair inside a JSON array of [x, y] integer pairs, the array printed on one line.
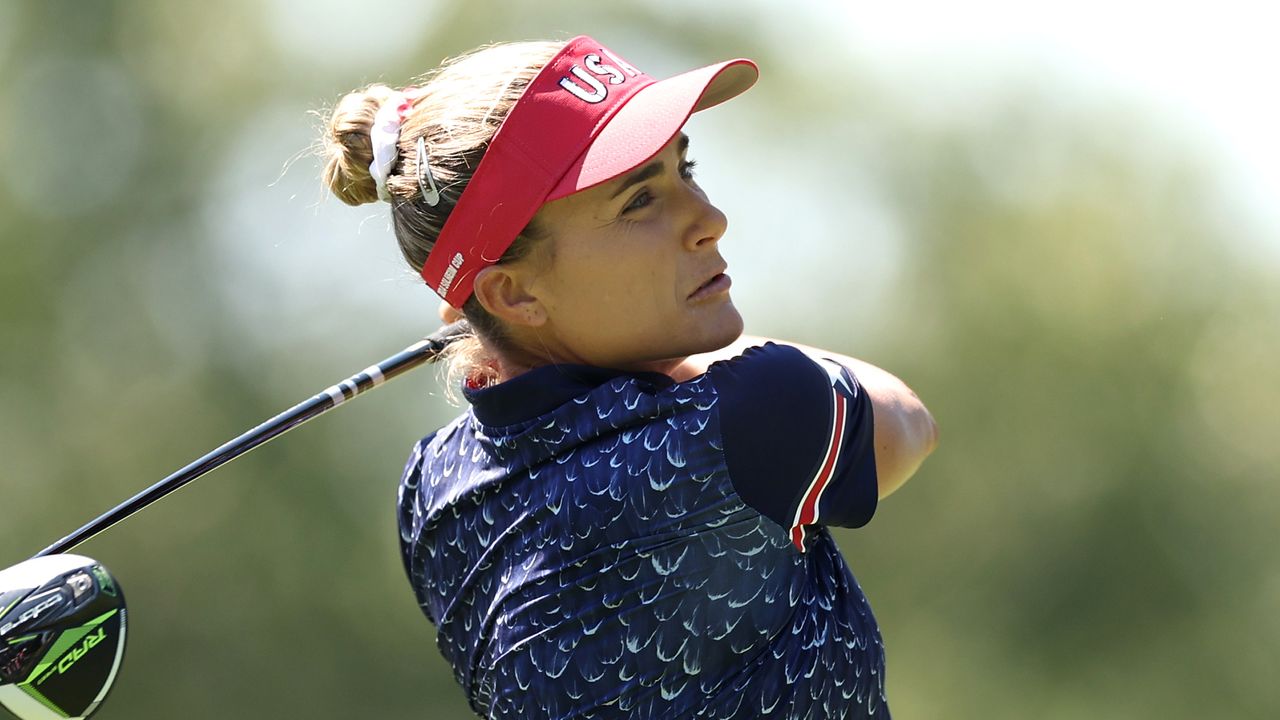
[[543, 389]]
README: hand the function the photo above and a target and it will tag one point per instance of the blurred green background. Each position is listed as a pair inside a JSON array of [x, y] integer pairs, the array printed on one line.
[[1075, 275]]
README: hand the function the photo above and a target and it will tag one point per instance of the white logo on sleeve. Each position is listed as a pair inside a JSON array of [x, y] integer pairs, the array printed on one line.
[[835, 371]]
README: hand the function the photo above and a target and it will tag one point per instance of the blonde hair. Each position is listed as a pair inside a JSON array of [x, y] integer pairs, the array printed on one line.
[[456, 109]]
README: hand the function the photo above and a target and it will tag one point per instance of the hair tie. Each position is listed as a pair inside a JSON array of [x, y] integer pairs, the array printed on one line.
[[385, 138]]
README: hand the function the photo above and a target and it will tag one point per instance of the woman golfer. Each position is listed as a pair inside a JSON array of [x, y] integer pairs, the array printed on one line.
[[629, 520]]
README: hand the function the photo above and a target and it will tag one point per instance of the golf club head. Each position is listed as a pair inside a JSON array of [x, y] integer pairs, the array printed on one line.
[[62, 630]]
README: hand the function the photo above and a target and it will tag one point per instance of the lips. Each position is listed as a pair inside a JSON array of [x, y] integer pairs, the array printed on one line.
[[714, 285]]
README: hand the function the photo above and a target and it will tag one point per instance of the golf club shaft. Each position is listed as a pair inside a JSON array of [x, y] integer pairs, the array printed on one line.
[[367, 379]]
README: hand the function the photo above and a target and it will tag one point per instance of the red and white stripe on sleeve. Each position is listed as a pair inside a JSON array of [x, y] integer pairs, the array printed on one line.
[[807, 510], [798, 438]]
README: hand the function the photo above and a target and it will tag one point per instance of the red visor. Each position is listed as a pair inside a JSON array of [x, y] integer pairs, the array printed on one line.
[[588, 117]]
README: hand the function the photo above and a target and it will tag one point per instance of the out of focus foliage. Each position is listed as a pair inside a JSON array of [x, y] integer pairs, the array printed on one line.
[[1056, 272]]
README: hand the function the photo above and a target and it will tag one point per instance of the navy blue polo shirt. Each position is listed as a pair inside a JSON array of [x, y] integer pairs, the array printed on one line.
[[592, 543]]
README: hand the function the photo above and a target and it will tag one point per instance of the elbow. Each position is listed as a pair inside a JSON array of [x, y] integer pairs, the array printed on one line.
[[918, 428], [924, 432], [914, 438], [930, 433]]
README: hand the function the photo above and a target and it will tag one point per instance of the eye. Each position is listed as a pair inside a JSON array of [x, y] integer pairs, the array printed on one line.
[[642, 199], [645, 197]]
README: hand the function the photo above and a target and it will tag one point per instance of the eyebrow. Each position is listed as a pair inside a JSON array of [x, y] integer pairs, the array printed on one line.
[[650, 171]]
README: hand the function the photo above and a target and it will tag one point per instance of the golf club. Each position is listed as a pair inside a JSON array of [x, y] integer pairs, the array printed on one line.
[[62, 630], [62, 617]]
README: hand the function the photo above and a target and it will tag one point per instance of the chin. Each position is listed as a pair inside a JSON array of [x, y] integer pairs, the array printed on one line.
[[726, 328]]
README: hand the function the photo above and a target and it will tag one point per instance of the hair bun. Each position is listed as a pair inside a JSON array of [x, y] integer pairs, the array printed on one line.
[[348, 150]]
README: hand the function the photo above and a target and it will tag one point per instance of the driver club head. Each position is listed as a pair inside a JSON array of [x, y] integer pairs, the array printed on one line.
[[62, 633]]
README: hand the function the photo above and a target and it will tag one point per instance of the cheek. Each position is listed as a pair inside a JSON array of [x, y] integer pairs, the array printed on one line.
[[626, 282]]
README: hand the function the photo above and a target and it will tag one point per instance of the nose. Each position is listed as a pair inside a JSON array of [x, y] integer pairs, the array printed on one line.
[[707, 224]]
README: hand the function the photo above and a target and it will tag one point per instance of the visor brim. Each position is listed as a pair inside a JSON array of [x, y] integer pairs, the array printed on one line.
[[651, 118]]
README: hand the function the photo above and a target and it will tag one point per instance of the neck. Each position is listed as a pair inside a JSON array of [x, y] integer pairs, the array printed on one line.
[[512, 365]]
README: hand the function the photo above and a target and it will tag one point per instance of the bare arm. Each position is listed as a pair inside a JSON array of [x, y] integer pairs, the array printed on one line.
[[905, 432]]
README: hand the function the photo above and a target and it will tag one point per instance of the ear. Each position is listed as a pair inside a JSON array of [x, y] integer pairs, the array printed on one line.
[[503, 292]]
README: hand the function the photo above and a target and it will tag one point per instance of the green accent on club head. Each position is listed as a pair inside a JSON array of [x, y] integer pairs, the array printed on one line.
[[104, 580], [44, 700], [72, 656], [103, 617], [67, 642]]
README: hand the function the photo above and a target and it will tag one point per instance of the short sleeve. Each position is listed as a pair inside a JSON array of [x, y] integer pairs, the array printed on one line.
[[798, 438]]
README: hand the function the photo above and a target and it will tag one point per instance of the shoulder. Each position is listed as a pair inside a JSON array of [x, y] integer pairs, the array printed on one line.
[[797, 435], [770, 375]]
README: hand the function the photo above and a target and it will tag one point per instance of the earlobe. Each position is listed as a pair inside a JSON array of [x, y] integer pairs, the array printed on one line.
[[502, 292]]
